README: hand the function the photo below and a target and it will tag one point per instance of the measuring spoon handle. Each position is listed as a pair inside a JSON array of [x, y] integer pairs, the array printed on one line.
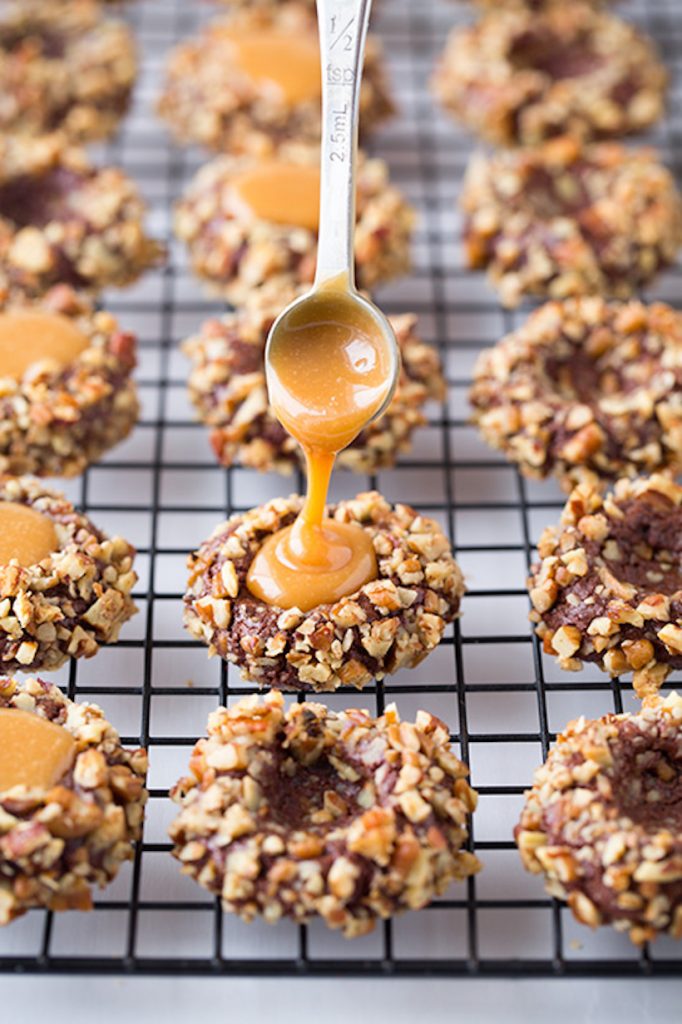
[[343, 29]]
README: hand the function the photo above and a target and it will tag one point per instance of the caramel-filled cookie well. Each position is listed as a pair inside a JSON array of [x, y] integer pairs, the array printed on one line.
[[31, 336], [280, 192], [289, 64], [26, 535], [34, 752]]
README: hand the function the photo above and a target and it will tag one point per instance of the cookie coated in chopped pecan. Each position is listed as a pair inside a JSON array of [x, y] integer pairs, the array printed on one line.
[[57, 843], [522, 75], [609, 587], [311, 4], [390, 623], [207, 99], [238, 254], [63, 221], [227, 387], [264, 3], [585, 388], [603, 821], [64, 66], [534, 5], [305, 812], [565, 219], [71, 602], [56, 420]]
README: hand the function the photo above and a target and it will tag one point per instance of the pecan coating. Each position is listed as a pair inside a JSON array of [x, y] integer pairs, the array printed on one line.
[[603, 821], [565, 219], [74, 600], [63, 221], [519, 76], [389, 623], [57, 843], [585, 388], [64, 66], [609, 587], [264, 3], [304, 812], [534, 5]]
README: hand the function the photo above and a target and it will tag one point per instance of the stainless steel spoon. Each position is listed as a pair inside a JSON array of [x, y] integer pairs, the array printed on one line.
[[343, 30]]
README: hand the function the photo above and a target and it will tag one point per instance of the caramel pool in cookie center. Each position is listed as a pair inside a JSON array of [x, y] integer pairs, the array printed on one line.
[[287, 62], [284, 574], [281, 193], [27, 337], [25, 534], [33, 752], [329, 374]]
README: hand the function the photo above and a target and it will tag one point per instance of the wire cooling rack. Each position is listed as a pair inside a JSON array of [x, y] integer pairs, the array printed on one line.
[[503, 700]]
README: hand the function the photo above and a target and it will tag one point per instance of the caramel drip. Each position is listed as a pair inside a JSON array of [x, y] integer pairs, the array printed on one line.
[[25, 535], [280, 193], [33, 751], [289, 63], [329, 375], [28, 337]]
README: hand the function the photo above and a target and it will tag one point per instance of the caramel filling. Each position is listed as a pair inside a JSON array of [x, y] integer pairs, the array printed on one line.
[[288, 63], [329, 375], [280, 193], [28, 337], [304, 566], [26, 535], [33, 752]]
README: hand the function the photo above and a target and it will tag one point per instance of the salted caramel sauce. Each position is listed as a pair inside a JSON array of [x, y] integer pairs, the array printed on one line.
[[330, 373], [287, 62], [279, 192], [28, 337], [25, 534], [283, 575], [33, 752]]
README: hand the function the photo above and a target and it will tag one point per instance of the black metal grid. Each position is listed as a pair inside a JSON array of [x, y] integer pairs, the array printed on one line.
[[489, 679]]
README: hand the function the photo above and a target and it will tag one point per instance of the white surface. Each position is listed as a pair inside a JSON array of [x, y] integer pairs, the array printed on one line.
[[178, 1001], [427, 158]]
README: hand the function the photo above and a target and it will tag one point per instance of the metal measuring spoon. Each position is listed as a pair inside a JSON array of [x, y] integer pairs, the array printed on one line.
[[343, 30]]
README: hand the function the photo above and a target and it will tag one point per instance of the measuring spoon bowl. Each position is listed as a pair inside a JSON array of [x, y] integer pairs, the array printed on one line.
[[342, 364]]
